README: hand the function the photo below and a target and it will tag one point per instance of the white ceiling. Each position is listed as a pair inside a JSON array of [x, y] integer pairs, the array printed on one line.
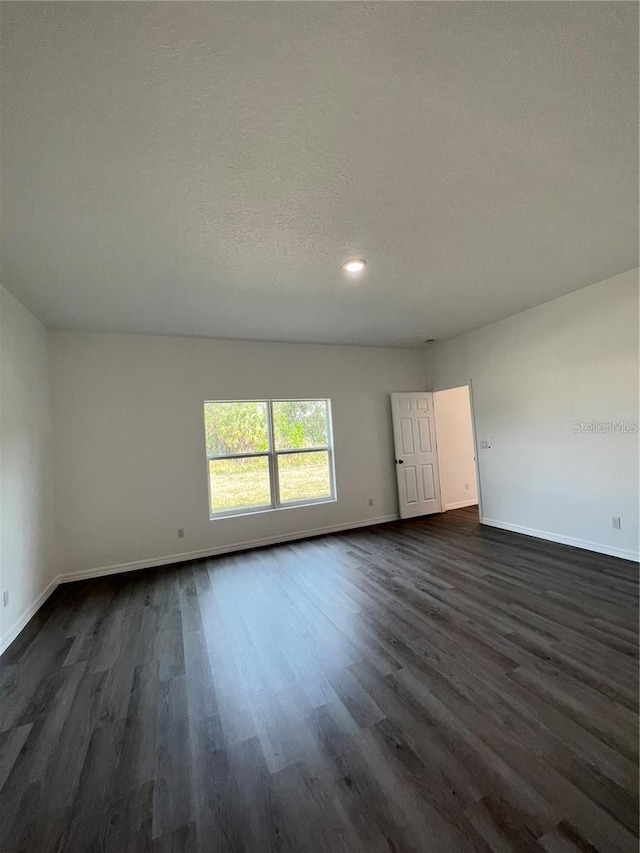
[[204, 168]]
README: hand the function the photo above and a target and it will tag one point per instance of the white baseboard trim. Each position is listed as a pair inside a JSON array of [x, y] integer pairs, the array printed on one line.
[[68, 577], [610, 550], [167, 559], [9, 636], [460, 504]]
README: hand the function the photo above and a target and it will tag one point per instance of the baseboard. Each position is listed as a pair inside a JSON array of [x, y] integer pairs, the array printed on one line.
[[167, 559], [68, 577], [22, 621], [611, 551], [9, 636], [461, 504]]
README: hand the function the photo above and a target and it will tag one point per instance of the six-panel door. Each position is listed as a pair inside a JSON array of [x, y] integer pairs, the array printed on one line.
[[415, 454]]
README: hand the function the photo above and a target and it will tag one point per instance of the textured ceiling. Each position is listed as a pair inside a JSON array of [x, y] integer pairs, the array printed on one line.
[[204, 169]]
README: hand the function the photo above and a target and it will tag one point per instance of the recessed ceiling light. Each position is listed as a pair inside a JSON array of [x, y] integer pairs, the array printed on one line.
[[354, 265]]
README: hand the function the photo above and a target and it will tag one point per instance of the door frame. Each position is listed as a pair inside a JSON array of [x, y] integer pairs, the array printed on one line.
[[468, 384]]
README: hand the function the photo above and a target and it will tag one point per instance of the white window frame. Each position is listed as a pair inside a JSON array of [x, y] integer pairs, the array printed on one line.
[[272, 454]]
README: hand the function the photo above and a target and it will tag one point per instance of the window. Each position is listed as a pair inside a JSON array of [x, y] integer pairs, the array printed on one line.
[[268, 454]]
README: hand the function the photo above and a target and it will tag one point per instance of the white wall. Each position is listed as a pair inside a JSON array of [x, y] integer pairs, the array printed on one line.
[[456, 454], [130, 453], [534, 374], [26, 466]]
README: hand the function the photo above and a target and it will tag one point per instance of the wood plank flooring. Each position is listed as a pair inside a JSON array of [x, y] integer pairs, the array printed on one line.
[[429, 686]]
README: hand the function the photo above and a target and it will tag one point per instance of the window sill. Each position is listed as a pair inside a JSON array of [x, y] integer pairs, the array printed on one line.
[[262, 510]]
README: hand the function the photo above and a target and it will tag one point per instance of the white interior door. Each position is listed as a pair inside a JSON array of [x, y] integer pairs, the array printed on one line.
[[414, 436]]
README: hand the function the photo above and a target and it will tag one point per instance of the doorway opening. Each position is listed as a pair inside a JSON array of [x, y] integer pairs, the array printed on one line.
[[456, 449]]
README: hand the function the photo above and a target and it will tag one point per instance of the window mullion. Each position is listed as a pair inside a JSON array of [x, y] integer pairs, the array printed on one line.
[[237, 456], [273, 459], [323, 449]]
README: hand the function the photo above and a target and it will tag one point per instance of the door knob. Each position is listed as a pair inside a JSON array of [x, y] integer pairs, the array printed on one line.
[[400, 461]]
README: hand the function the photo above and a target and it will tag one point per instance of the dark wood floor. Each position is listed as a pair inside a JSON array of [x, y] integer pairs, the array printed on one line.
[[420, 686]]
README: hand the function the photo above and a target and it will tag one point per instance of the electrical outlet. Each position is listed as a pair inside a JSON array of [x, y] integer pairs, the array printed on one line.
[[5, 598], [181, 533], [484, 445], [466, 485], [615, 522], [370, 501]]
